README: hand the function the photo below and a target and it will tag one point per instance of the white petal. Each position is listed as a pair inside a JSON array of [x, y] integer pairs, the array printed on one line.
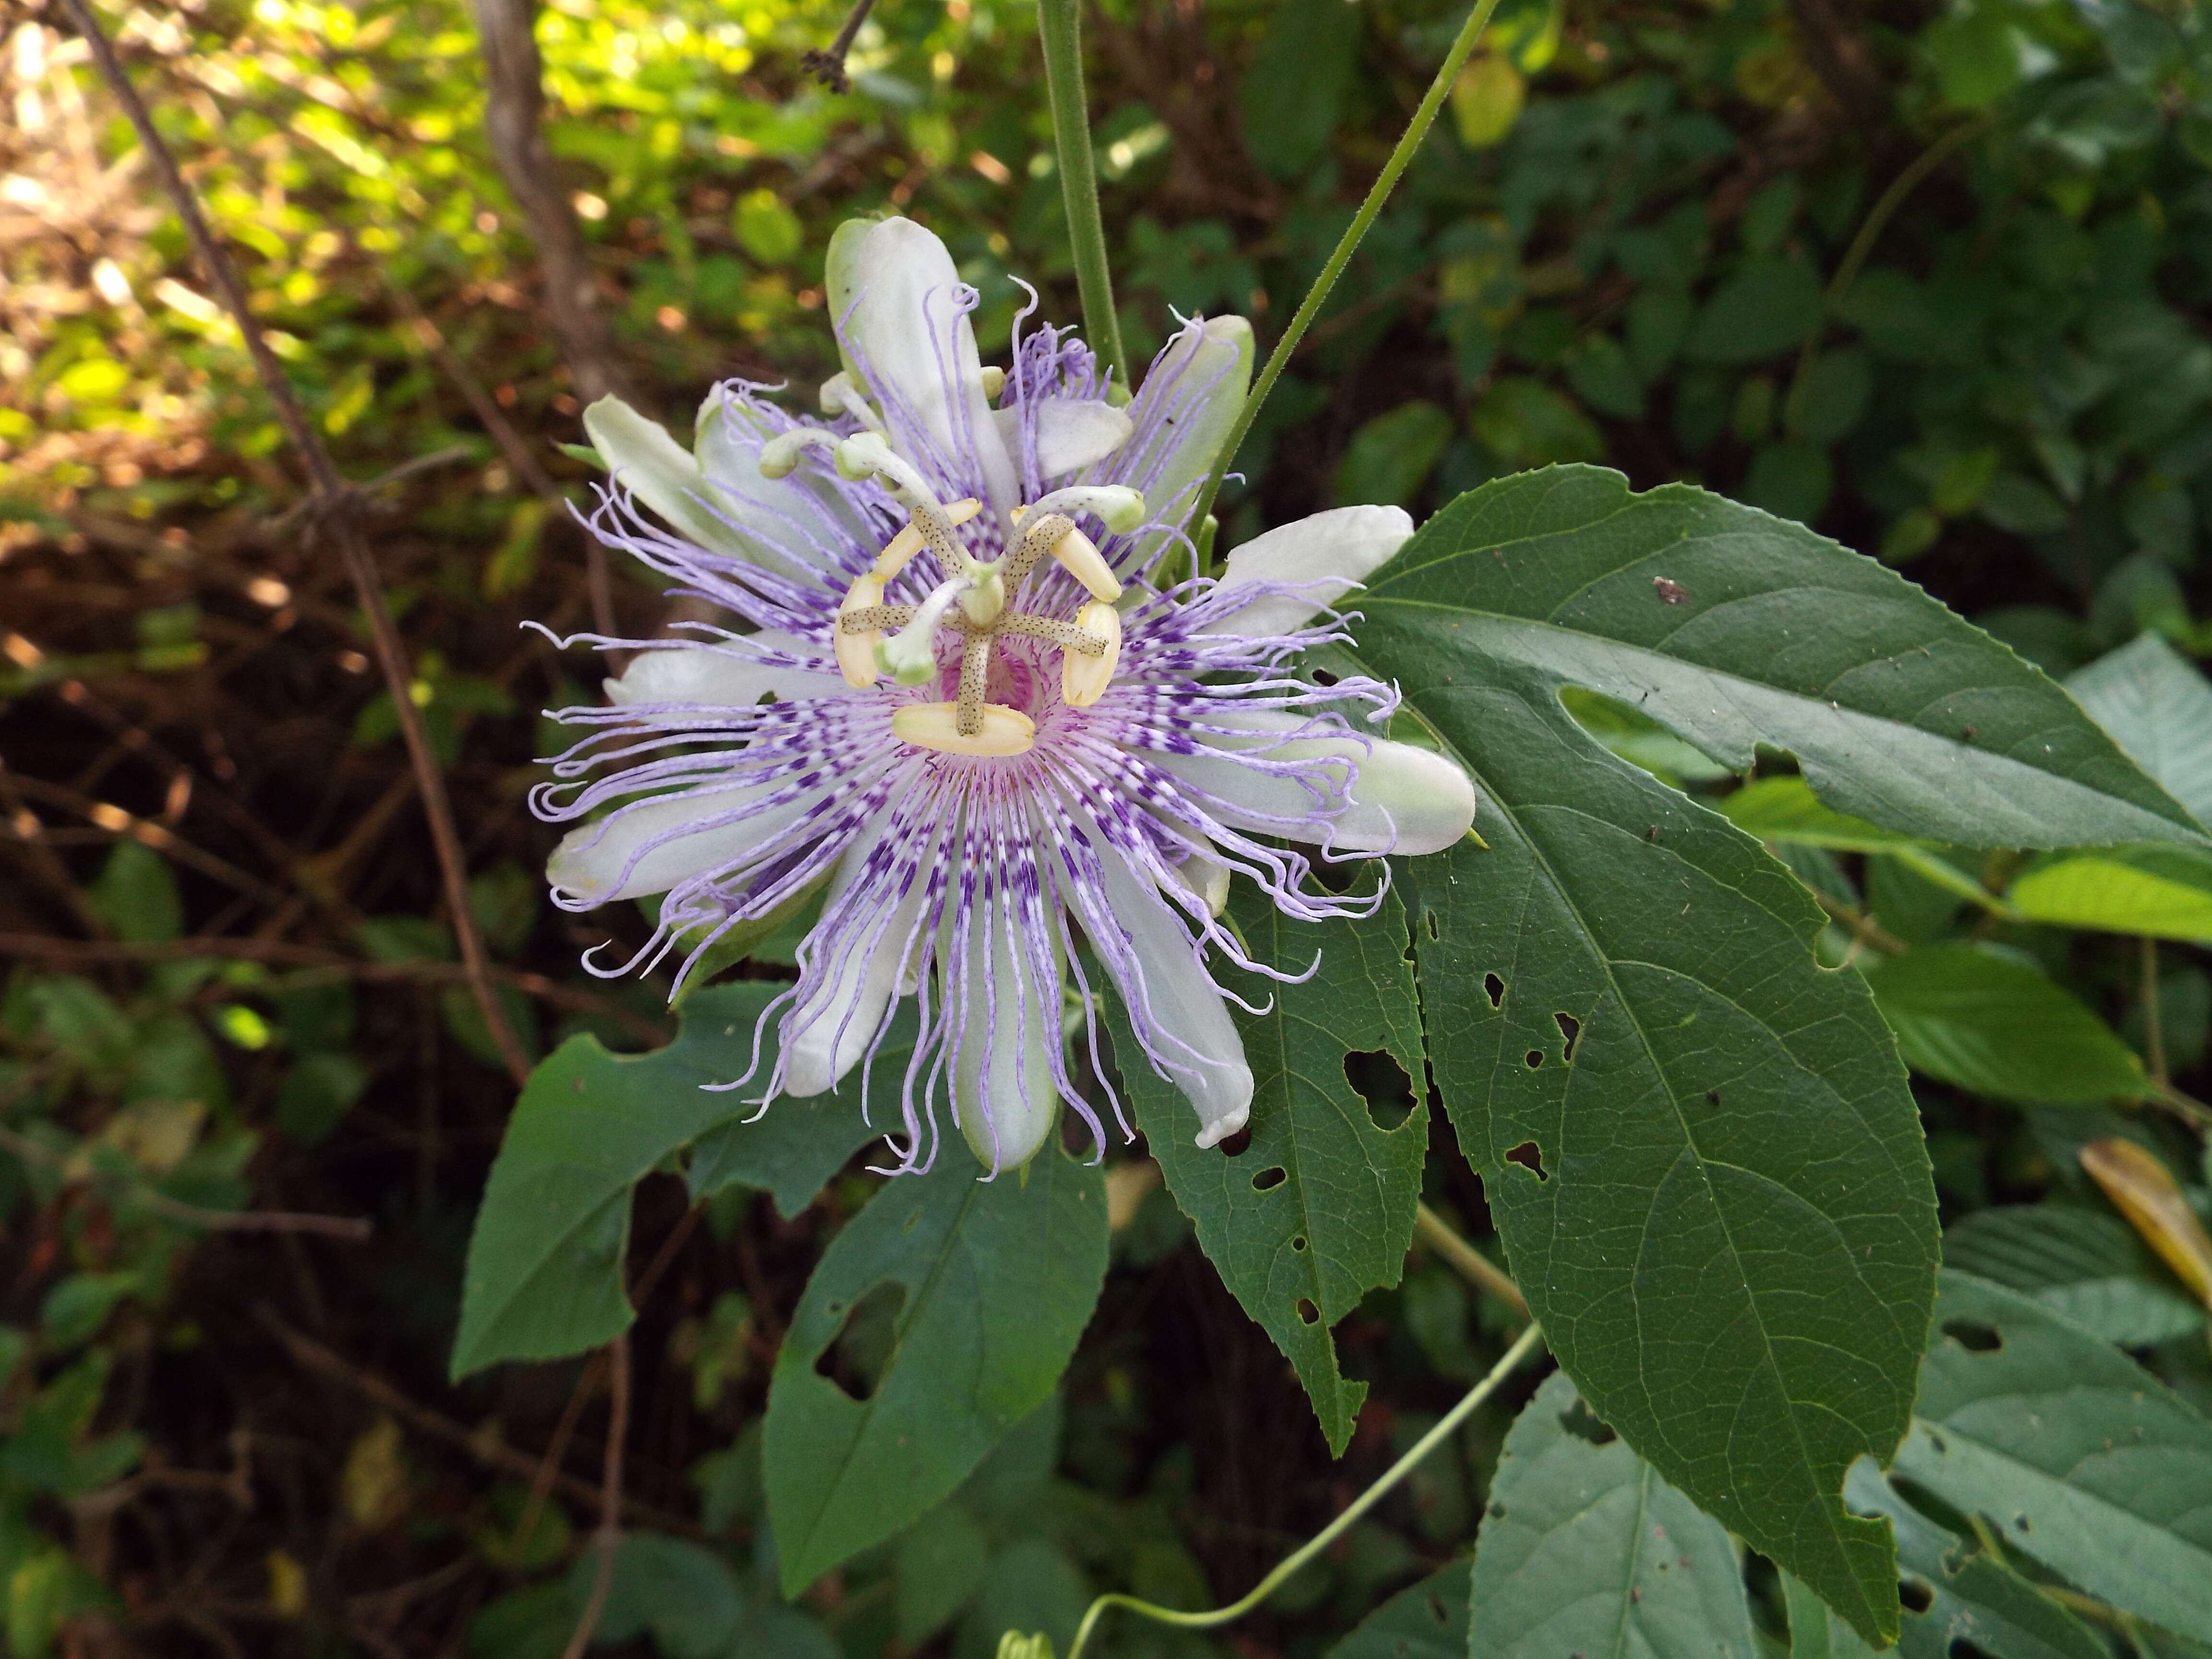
[[1203, 1053], [642, 458], [788, 519], [588, 863], [828, 1036], [891, 296], [1072, 432], [1003, 1091], [1328, 554], [1192, 396], [720, 678], [1207, 879], [1404, 799]]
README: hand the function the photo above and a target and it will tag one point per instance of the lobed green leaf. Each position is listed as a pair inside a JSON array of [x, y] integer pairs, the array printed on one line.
[[544, 1274], [1318, 1209], [993, 1280]]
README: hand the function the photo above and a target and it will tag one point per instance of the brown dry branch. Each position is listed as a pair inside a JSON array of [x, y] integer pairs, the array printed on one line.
[[27, 1149], [337, 513], [278, 954], [609, 1536], [481, 1444], [513, 108]]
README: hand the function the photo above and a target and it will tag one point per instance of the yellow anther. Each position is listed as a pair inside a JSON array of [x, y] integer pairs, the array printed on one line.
[[856, 651], [1079, 556], [937, 725], [1082, 677], [909, 542], [994, 382]]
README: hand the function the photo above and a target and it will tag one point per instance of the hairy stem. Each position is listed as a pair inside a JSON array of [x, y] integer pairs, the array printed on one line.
[[1060, 25], [1478, 1269], [1309, 308], [1446, 1427]]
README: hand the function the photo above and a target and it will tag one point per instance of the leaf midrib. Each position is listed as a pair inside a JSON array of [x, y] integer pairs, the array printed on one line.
[[1605, 961], [1856, 712], [927, 1291]]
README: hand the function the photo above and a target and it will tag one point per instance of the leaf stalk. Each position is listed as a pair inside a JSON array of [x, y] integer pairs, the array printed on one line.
[[1400, 158], [1447, 1426]]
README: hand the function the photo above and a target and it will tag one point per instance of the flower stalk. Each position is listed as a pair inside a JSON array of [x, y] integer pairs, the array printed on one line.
[[1400, 158], [1059, 26]]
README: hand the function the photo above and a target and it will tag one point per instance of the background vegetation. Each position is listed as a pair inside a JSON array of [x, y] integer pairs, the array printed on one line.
[[1932, 278]]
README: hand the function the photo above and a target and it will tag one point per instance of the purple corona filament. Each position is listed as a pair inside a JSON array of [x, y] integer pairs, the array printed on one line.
[[736, 768]]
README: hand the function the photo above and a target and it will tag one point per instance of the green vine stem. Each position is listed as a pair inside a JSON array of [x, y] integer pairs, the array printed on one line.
[[1060, 25], [1400, 158], [1793, 406], [1446, 1427]]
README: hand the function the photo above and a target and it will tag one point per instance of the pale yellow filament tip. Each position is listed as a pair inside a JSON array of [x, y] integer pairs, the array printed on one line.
[[937, 725], [909, 542], [856, 651], [1085, 677]]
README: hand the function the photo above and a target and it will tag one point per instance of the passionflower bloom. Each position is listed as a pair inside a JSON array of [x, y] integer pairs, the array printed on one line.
[[970, 691]]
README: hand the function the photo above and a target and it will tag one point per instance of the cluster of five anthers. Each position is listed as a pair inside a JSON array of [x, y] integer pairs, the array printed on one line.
[[972, 601]]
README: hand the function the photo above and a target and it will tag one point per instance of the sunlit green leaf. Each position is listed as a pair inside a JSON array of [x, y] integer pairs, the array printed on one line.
[[2161, 892]]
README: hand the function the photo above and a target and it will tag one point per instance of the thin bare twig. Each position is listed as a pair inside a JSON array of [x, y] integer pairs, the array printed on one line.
[[2154, 1016], [827, 64], [221, 1221], [609, 1533], [479, 1444], [514, 102], [336, 498], [1864, 929], [277, 953]]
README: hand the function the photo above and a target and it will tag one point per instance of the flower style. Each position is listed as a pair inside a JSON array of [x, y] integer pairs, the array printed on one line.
[[967, 703]]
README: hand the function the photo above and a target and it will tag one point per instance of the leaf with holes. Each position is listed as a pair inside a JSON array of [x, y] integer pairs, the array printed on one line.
[[1584, 1549], [958, 1302], [1427, 1620], [2080, 1458], [1733, 628], [545, 1275], [1961, 1599], [1719, 1203], [1318, 1209], [2085, 1266]]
